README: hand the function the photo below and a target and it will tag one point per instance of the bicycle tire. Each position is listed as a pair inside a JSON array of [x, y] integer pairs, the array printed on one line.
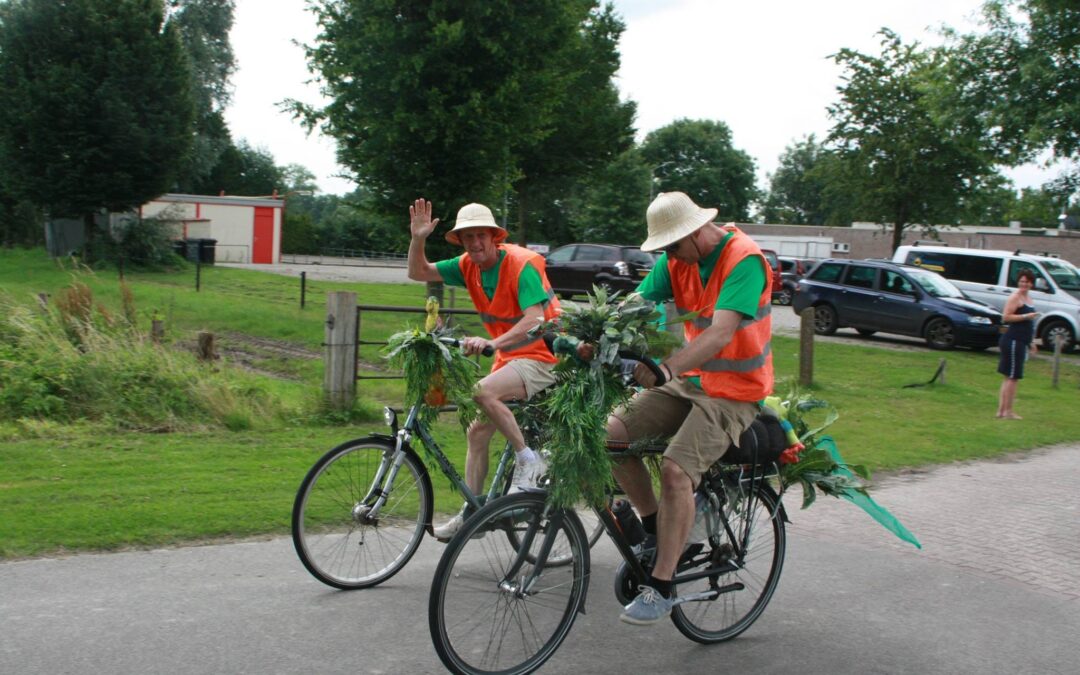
[[732, 612], [331, 538], [480, 621]]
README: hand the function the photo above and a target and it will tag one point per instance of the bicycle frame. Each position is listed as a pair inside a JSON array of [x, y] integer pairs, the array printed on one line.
[[388, 469]]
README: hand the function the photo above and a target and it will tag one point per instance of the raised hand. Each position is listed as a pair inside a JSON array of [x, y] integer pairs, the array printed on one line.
[[420, 222]]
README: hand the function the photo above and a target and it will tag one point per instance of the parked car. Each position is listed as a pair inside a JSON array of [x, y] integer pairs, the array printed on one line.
[[791, 270], [777, 279], [575, 268], [878, 295], [991, 276]]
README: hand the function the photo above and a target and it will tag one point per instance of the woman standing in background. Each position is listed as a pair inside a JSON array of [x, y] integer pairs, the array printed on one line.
[[1020, 317]]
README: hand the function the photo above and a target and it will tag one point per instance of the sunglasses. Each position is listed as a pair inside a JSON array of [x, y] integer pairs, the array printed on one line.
[[671, 248]]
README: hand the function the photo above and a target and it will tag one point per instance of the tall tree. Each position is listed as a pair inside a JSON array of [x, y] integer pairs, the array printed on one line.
[[439, 98], [1022, 76], [244, 170], [699, 158], [797, 190], [904, 159], [589, 126], [611, 205], [95, 105], [203, 27]]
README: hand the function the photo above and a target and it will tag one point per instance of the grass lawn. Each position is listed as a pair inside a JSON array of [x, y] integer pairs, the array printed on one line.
[[88, 487]]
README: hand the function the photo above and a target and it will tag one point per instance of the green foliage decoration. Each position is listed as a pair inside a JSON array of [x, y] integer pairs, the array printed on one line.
[[815, 469], [585, 393], [430, 365]]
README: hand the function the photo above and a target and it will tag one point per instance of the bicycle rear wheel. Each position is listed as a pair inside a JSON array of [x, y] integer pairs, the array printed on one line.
[[746, 591], [337, 538], [482, 619]]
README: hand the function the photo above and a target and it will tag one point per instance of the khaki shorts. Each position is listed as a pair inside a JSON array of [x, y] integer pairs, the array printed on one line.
[[535, 375], [701, 427]]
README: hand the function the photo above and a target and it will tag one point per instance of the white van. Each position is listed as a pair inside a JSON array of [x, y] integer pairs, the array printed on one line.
[[990, 276]]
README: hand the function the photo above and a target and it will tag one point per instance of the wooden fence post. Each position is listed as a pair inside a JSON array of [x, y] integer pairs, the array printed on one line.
[[339, 375], [206, 350], [157, 330], [1059, 342], [806, 347]]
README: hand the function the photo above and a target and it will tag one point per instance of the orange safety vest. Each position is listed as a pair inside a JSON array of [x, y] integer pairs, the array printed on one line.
[[502, 312], [742, 370]]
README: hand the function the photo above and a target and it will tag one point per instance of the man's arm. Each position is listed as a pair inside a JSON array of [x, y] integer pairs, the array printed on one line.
[[532, 317], [421, 225]]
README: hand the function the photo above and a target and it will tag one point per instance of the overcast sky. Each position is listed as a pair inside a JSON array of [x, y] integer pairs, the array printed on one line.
[[760, 67]]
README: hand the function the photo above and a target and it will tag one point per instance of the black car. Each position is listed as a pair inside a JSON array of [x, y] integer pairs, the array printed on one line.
[[872, 296], [575, 268]]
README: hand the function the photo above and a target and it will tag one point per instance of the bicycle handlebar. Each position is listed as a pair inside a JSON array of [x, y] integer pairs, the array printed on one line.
[[454, 342], [649, 363]]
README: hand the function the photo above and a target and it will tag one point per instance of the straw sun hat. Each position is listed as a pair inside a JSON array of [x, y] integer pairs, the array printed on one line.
[[475, 215], [672, 216]]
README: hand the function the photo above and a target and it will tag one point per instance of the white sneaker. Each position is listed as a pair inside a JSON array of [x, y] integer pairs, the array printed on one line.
[[528, 475], [447, 530]]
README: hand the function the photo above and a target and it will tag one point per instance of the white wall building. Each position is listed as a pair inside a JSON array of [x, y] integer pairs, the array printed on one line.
[[247, 229]]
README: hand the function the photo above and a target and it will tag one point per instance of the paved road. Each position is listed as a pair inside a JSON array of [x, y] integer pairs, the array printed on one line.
[[996, 589]]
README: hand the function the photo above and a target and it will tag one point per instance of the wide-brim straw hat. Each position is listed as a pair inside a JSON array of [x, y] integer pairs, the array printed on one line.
[[475, 215], [672, 216]]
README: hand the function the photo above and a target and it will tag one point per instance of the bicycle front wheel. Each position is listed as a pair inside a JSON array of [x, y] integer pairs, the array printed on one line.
[[491, 609], [340, 538], [758, 554]]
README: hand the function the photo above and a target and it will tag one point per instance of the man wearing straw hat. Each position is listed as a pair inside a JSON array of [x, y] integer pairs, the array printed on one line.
[[714, 383], [510, 289]]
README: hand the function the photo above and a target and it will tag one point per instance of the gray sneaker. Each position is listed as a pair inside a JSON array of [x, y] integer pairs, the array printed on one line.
[[647, 608], [528, 475]]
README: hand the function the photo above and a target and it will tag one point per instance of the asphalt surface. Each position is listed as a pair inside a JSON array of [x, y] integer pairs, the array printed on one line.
[[996, 589]]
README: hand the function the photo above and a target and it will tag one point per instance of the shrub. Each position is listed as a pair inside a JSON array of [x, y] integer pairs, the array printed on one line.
[[75, 362]]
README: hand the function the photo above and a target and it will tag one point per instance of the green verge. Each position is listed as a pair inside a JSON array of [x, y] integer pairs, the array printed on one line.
[[68, 488]]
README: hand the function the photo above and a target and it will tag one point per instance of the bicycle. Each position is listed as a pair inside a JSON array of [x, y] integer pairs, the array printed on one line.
[[363, 508], [498, 605]]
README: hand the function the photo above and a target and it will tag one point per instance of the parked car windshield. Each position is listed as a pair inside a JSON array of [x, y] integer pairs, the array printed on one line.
[[934, 284], [1064, 274], [637, 256]]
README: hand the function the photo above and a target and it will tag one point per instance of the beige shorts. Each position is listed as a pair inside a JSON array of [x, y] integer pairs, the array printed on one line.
[[535, 375], [701, 427]]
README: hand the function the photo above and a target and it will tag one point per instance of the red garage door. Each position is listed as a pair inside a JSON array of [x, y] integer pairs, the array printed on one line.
[[262, 245]]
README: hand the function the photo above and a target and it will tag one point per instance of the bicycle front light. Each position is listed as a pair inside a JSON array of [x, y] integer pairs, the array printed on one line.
[[390, 417]]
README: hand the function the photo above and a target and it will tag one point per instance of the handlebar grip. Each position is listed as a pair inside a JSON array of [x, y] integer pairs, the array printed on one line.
[[454, 342], [649, 363]]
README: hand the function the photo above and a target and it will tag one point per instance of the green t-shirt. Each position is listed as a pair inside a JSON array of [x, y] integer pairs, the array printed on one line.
[[530, 287], [740, 292]]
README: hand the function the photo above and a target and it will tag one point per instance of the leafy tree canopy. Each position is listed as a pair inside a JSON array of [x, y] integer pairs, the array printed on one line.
[[697, 157], [445, 99], [95, 104], [1022, 76], [203, 27], [906, 158]]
